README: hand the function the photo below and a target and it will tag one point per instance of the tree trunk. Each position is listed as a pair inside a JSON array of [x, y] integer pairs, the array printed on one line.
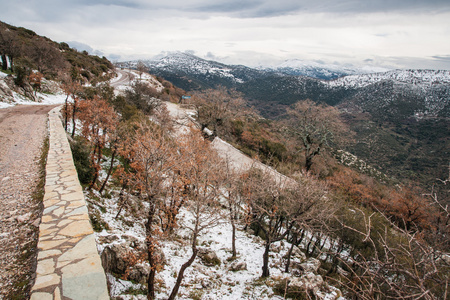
[[4, 62], [11, 63], [308, 162], [233, 238], [66, 113], [109, 171], [309, 244], [150, 252], [183, 268], [288, 262], [73, 116], [265, 267]]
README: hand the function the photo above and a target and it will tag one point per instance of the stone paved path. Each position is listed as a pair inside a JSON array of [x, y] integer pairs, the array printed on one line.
[[69, 266]]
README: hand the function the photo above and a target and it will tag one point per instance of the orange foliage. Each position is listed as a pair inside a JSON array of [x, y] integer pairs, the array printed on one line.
[[98, 124], [406, 207]]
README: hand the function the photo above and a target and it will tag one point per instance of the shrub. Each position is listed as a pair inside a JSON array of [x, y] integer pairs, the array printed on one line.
[[81, 158]]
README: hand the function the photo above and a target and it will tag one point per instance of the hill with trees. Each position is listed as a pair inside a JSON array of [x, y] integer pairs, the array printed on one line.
[[401, 117], [31, 57]]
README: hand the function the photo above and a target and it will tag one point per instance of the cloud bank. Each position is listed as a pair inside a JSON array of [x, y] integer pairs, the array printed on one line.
[[396, 33]]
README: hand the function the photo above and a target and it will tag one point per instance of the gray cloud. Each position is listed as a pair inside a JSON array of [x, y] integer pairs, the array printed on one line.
[[84, 47], [395, 32]]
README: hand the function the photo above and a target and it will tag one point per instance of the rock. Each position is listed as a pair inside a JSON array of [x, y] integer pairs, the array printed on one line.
[[311, 265], [297, 253], [135, 243], [108, 239], [445, 258], [275, 248], [309, 281], [209, 257], [139, 273], [23, 218], [36, 222], [206, 283], [114, 258], [238, 266]]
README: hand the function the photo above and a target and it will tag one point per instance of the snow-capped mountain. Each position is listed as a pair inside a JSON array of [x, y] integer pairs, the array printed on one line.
[[202, 73], [319, 70], [393, 93], [422, 78]]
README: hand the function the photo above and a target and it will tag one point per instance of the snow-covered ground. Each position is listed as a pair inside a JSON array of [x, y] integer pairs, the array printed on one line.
[[10, 98], [200, 281], [44, 99]]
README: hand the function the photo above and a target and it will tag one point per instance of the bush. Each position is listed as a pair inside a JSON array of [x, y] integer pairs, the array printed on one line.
[[80, 153]]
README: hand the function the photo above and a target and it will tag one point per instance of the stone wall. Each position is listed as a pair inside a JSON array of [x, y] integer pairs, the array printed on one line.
[[68, 266]]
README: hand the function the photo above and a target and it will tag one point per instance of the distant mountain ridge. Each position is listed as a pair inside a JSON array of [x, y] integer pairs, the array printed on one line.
[[318, 70], [401, 117]]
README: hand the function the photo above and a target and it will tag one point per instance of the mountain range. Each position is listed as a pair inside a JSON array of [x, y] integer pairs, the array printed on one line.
[[401, 117]]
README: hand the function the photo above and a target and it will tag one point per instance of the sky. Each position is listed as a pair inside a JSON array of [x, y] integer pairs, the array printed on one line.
[[381, 33]]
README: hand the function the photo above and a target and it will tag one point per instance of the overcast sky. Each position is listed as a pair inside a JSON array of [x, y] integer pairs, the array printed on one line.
[[390, 33]]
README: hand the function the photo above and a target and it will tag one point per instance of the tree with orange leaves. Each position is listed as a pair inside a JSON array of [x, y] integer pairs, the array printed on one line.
[[202, 168], [315, 127], [152, 157], [98, 123]]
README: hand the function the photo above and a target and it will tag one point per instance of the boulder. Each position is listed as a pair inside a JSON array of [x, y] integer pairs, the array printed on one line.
[[107, 239], [309, 281], [114, 258], [238, 266], [311, 265], [298, 254], [275, 248], [209, 257], [139, 273]]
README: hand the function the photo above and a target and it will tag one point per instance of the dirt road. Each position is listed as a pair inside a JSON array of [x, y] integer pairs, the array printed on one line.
[[22, 132]]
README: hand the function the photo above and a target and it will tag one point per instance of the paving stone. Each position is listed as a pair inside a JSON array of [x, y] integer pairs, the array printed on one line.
[[49, 209], [79, 217], [46, 266], [47, 245], [47, 218], [58, 212], [72, 196], [57, 294], [41, 296], [77, 228], [49, 253], [63, 223], [46, 281], [85, 248], [78, 211], [51, 202], [87, 273]]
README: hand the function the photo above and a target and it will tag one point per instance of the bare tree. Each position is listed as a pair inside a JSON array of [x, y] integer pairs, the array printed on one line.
[[152, 157], [315, 127], [313, 208], [202, 168], [141, 68], [217, 107], [406, 266], [233, 201]]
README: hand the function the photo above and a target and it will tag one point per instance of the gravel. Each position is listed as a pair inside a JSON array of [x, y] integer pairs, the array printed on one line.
[[22, 132]]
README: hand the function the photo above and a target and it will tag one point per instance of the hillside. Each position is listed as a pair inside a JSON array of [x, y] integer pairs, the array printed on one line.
[[174, 217], [401, 117], [22, 50]]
